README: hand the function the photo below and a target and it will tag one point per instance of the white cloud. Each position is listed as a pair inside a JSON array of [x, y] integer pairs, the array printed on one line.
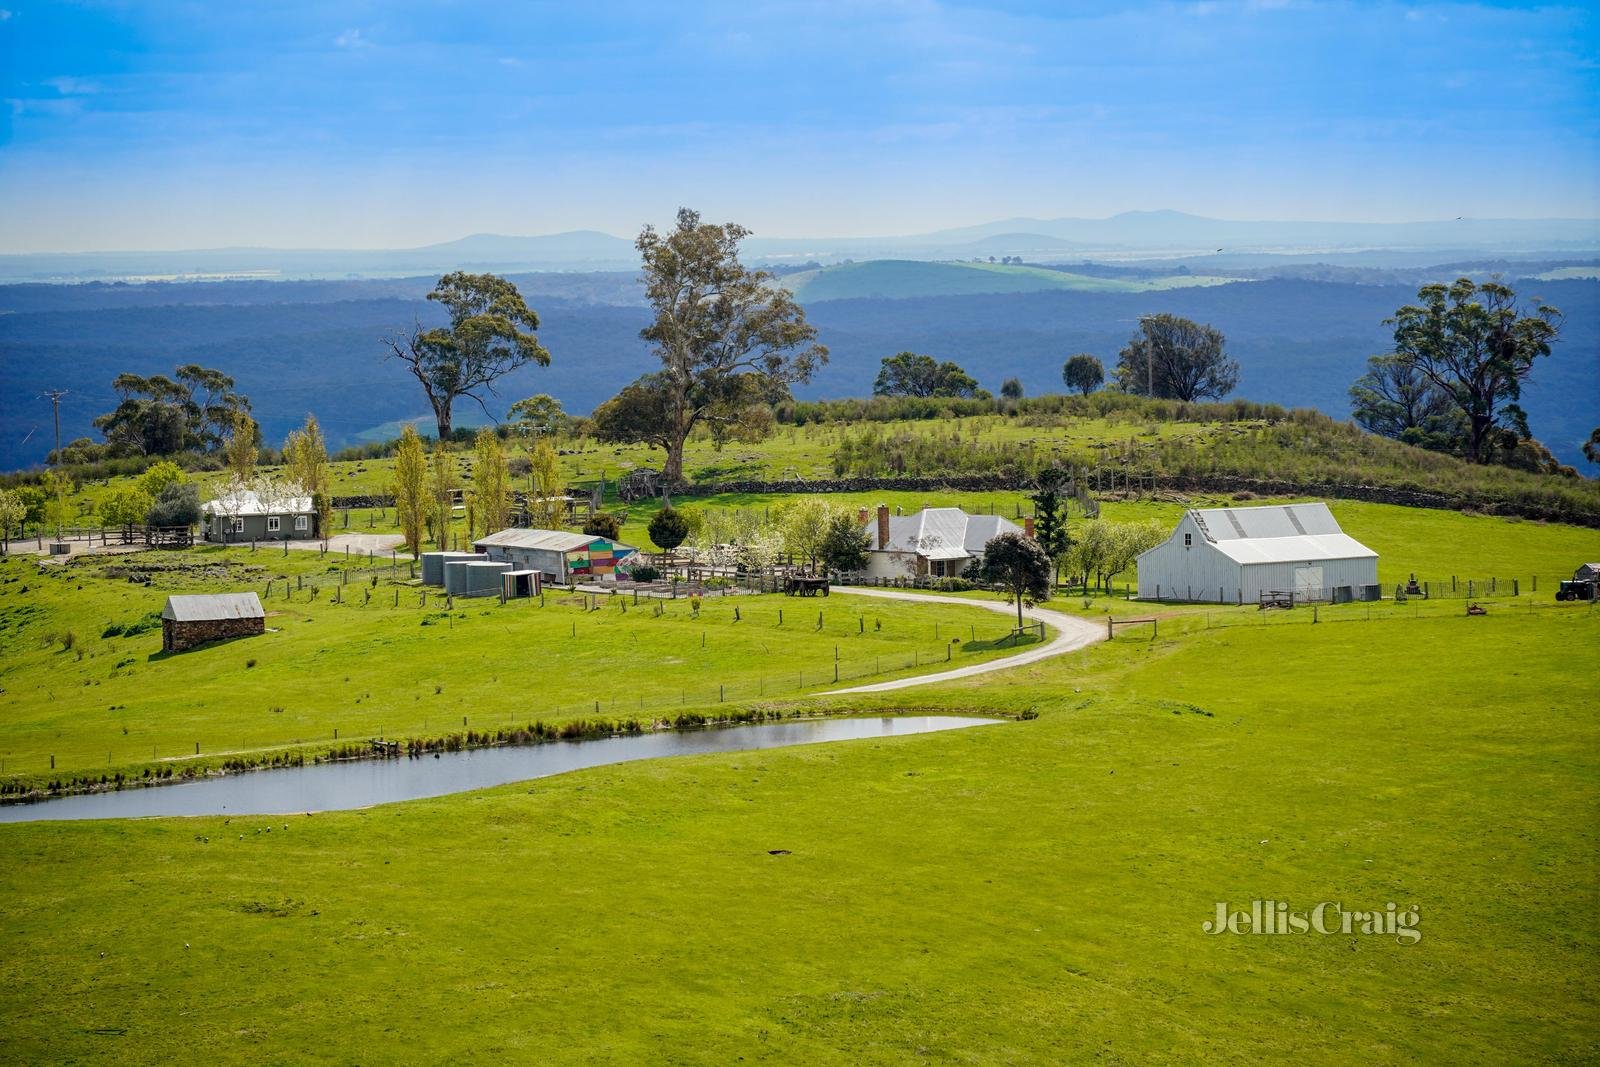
[[69, 86], [352, 39]]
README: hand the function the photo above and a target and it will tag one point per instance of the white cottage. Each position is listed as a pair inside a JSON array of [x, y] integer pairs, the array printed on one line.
[[1237, 554], [934, 542]]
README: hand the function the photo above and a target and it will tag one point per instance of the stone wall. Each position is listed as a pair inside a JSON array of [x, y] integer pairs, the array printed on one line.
[[181, 636], [1114, 480]]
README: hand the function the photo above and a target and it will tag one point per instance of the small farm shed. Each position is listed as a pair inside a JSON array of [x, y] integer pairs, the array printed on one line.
[[1589, 572], [243, 515], [1228, 554], [193, 620], [937, 542], [433, 564], [561, 556]]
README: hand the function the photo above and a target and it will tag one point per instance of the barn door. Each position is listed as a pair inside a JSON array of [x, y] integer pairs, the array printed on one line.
[[1308, 583]]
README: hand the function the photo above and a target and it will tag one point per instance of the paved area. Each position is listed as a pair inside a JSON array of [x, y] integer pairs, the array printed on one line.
[[1072, 633], [359, 544]]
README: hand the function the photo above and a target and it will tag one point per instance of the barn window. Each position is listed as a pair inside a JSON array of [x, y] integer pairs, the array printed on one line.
[[1188, 539], [299, 522], [274, 524]]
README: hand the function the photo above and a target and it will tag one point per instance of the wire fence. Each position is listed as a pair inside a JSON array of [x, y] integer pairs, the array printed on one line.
[[1415, 610], [644, 706]]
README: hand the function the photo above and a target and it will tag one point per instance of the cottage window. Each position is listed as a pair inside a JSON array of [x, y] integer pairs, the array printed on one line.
[[1188, 540], [274, 524], [237, 526], [299, 522]]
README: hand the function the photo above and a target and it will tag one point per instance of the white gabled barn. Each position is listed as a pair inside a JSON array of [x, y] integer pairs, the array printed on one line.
[[1237, 554]]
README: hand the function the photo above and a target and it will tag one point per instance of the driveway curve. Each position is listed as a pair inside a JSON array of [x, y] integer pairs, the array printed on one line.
[[1072, 633]]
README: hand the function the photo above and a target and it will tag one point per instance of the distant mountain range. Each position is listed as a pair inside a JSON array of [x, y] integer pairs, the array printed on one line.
[[1134, 235]]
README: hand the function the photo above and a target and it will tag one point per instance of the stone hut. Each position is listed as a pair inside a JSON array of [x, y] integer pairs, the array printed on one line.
[[188, 621]]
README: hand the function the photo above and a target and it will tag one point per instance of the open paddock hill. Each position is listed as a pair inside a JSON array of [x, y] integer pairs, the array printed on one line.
[[1028, 892]]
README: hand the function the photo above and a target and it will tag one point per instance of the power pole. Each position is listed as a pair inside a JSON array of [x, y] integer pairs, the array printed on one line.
[[55, 396]]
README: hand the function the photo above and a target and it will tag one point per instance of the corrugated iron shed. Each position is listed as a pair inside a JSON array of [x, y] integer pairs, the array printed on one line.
[[210, 607]]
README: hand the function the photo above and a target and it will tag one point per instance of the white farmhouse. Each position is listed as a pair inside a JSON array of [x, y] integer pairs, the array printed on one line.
[[934, 542], [1236, 554]]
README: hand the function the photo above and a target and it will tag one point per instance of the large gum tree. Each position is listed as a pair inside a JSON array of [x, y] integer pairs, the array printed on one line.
[[722, 333], [491, 334], [1476, 345]]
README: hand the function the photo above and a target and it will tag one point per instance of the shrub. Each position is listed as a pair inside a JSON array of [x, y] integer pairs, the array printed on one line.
[[646, 574], [601, 524], [668, 529]]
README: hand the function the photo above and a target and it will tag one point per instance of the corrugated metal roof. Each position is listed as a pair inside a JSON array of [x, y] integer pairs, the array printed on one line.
[[248, 502], [942, 533], [1281, 520], [1299, 549], [1283, 533], [548, 540], [210, 607]]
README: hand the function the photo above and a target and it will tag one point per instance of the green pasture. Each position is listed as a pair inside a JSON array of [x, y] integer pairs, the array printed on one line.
[[100, 700], [1021, 893]]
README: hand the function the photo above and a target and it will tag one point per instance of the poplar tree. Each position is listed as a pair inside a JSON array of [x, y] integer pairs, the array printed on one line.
[[239, 451], [491, 481], [548, 509], [411, 488], [443, 484], [305, 459]]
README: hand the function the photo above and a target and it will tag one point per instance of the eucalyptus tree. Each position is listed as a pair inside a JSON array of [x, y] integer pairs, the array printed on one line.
[[1477, 345], [491, 334], [722, 333]]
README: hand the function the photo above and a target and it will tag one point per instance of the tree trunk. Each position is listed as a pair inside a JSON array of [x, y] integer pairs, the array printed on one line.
[[441, 415], [1019, 609], [672, 473], [1478, 429]]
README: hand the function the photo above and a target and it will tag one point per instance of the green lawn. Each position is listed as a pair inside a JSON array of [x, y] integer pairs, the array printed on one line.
[[1031, 892], [114, 702]]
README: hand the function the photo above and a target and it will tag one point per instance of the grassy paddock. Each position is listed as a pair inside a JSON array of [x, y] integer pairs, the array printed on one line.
[[81, 687], [1027, 892]]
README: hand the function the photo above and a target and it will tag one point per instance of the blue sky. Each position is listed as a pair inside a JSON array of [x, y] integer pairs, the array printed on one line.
[[355, 124]]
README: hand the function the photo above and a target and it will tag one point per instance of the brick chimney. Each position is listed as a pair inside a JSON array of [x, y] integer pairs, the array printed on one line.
[[1027, 525], [883, 526]]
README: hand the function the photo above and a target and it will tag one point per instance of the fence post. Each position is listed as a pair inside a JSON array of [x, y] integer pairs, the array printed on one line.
[[1108, 627]]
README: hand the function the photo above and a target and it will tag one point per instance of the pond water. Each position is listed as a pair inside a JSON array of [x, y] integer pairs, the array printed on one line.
[[342, 786]]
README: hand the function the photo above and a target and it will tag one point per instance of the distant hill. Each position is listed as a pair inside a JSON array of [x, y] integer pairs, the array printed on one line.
[[899, 279], [1140, 234], [1175, 229]]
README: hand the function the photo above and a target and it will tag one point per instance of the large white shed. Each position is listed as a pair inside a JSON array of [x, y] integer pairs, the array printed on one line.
[[1237, 554]]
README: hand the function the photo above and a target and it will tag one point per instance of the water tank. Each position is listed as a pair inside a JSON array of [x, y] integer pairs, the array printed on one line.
[[474, 577], [433, 564]]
